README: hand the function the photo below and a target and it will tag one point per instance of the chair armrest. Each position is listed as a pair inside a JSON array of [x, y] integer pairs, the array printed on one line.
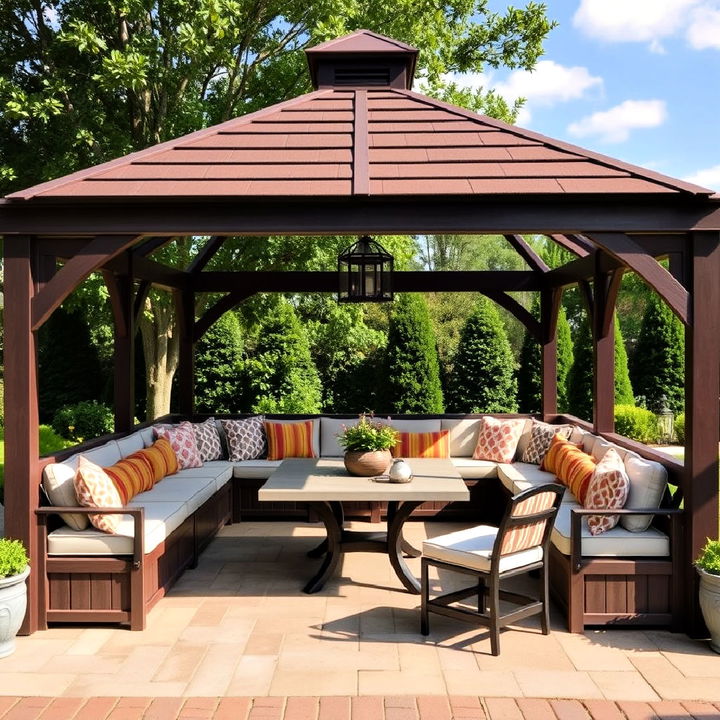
[[137, 514], [577, 514]]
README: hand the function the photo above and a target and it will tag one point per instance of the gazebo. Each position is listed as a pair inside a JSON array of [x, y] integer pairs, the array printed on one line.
[[363, 154]]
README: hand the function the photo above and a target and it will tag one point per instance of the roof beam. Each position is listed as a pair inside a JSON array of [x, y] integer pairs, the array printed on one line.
[[576, 247], [162, 276], [527, 253], [150, 245], [205, 254]]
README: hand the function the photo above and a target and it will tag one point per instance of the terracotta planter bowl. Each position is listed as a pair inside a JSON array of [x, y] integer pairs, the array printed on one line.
[[365, 463]]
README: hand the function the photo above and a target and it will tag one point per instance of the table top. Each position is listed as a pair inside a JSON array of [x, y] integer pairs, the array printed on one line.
[[326, 479]]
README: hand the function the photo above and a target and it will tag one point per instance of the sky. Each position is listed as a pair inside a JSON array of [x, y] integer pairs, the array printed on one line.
[[638, 80]]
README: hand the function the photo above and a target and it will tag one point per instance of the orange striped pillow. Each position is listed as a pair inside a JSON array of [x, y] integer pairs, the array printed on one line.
[[423, 445], [287, 440], [161, 457], [575, 470], [550, 461], [131, 476]]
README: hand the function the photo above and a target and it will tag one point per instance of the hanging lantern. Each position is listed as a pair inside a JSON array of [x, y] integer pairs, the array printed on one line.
[[365, 272]]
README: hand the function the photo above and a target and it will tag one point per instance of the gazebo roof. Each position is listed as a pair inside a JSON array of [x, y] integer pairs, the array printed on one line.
[[369, 140]]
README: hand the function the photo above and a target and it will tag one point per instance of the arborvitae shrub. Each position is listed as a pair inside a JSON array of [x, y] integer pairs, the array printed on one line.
[[483, 375], [580, 377], [658, 364], [564, 359], [412, 370], [623, 387], [680, 428]]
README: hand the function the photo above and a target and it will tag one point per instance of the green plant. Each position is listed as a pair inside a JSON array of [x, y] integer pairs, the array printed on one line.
[[636, 423], [83, 421], [680, 428], [13, 558], [368, 435], [709, 557]]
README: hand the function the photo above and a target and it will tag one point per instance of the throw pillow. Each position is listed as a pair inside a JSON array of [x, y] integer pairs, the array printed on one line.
[[289, 439], [207, 438], [246, 438], [131, 476], [550, 461], [608, 490], [498, 439], [541, 436], [94, 488], [58, 483], [182, 440], [575, 470], [423, 445], [161, 457]]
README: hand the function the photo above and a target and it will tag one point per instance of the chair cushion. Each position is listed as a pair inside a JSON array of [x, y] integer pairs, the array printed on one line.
[[193, 491], [256, 469], [519, 476], [473, 548], [131, 443], [463, 435], [58, 483], [498, 439], [422, 445], [330, 428], [161, 518], [616, 542], [104, 455], [470, 469], [219, 471]]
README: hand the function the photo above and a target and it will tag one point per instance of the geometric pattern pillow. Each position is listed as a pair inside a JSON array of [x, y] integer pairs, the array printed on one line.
[[94, 488], [246, 438], [184, 445], [541, 436], [208, 440], [498, 439], [608, 490], [422, 445]]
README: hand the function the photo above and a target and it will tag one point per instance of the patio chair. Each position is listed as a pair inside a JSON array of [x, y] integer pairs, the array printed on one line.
[[491, 555]]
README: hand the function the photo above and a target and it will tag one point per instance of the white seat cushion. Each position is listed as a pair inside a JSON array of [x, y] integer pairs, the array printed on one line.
[[617, 542], [161, 518], [255, 469], [105, 455], [463, 434], [192, 491], [519, 476], [330, 428], [470, 469], [648, 481], [472, 548]]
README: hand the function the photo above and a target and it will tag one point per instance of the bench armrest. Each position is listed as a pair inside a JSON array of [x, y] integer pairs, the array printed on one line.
[[137, 514], [577, 514]]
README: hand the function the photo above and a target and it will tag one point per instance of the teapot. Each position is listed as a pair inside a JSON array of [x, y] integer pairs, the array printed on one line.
[[400, 471]]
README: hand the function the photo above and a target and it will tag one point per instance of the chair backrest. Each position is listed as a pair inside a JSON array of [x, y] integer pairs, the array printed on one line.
[[528, 520]]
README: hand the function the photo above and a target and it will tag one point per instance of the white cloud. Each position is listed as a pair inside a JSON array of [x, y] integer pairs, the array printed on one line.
[[704, 29], [524, 117], [614, 125], [548, 83], [709, 177]]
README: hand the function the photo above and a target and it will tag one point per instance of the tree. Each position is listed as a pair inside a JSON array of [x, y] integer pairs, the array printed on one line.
[[483, 374], [412, 371], [658, 366], [217, 360], [623, 387], [279, 375]]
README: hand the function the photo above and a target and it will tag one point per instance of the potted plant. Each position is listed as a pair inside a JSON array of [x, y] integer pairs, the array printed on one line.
[[367, 446], [14, 569], [708, 567]]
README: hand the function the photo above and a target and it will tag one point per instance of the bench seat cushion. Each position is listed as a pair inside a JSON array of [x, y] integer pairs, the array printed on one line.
[[192, 491], [470, 469], [255, 469], [161, 518], [617, 542], [520, 476]]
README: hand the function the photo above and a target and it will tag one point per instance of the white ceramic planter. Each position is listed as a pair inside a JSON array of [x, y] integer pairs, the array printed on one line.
[[710, 604], [13, 602]]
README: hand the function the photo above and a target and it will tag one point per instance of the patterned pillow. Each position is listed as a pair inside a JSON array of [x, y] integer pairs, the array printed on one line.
[[498, 439], [608, 490], [208, 440], [541, 436], [423, 445], [575, 470], [293, 439], [182, 440], [161, 457], [131, 476], [550, 461], [246, 438], [94, 488]]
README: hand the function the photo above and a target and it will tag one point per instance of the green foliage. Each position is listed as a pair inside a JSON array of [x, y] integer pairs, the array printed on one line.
[[83, 421], [217, 360], [483, 375], [368, 435], [279, 375], [679, 427], [564, 360], [658, 366], [623, 388], [13, 557], [412, 371], [636, 423], [709, 558], [580, 377]]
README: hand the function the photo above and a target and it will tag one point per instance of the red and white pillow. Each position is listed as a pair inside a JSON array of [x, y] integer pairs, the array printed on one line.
[[498, 439], [182, 440], [607, 490]]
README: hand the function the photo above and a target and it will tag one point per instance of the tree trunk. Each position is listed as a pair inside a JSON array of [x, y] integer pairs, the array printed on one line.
[[161, 348]]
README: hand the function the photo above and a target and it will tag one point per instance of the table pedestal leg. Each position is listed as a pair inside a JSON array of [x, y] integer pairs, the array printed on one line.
[[339, 513], [332, 519], [407, 549], [397, 515]]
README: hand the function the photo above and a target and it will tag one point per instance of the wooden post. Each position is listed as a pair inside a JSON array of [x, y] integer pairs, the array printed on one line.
[[185, 309], [702, 411], [549, 309], [603, 332], [22, 469]]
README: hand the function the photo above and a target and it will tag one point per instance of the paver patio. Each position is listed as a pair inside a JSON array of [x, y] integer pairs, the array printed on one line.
[[239, 625]]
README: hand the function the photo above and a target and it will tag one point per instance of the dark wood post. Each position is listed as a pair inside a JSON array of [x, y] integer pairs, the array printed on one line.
[[185, 309], [603, 332], [549, 309], [22, 467], [702, 410]]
